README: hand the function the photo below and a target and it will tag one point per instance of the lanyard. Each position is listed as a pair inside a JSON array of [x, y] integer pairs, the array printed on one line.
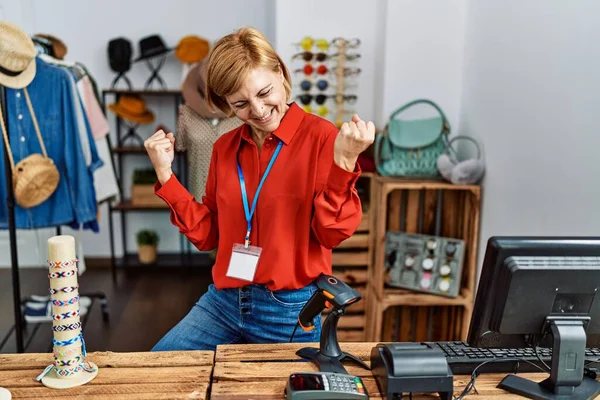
[[250, 212]]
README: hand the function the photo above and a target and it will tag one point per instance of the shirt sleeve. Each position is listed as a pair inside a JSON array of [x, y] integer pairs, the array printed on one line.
[[337, 207], [197, 221]]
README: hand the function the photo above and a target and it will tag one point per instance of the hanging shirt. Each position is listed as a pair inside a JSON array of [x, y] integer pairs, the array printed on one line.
[[307, 206], [54, 101], [197, 135]]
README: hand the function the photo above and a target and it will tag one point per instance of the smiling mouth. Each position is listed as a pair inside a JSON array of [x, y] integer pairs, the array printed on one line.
[[266, 117]]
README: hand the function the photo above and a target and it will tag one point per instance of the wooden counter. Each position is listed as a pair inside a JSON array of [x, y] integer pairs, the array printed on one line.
[[160, 375], [261, 372]]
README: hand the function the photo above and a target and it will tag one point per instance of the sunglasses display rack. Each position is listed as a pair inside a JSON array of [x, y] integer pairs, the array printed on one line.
[[328, 66]]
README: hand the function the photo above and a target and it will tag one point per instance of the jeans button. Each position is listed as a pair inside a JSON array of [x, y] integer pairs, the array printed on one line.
[[244, 299], [244, 309], [245, 289]]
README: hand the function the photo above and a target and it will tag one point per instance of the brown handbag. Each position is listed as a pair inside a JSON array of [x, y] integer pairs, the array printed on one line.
[[35, 177]]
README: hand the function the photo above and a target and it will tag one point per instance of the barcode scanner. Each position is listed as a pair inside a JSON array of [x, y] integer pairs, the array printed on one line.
[[335, 294], [331, 293]]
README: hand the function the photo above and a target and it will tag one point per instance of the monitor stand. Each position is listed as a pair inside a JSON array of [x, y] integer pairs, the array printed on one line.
[[566, 379]]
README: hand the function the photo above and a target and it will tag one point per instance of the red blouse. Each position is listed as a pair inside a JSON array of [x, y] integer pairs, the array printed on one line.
[[306, 207]]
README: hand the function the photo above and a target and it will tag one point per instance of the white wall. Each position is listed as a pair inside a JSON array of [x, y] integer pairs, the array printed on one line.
[[424, 41], [531, 93]]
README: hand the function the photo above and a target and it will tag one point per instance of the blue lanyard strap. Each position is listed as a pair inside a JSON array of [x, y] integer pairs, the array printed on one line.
[[250, 212]]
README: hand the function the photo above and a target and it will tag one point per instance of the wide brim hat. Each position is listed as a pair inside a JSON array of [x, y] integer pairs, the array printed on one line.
[[59, 48], [192, 49], [132, 108], [152, 46], [17, 57], [193, 89]]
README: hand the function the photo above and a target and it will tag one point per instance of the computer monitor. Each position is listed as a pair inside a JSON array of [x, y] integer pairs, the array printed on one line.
[[541, 291]]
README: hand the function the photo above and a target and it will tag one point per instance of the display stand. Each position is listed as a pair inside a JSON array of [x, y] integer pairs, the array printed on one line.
[[120, 76], [131, 134], [70, 367], [154, 69]]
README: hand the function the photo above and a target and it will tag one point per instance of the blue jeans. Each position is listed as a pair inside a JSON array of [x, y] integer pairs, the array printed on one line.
[[251, 314]]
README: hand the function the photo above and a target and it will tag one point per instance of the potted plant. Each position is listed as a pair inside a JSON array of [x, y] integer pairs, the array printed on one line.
[[147, 241], [142, 190]]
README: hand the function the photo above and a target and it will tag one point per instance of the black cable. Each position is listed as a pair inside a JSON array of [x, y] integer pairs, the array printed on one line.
[[294, 332], [471, 385], [535, 349]]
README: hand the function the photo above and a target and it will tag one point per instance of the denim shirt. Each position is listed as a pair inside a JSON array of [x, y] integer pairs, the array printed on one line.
[[54, 104]]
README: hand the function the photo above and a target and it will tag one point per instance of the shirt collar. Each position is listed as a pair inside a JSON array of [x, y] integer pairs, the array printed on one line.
[[287, 127]]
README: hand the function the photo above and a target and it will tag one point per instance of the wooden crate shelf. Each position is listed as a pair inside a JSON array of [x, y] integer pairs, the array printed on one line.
[[428, 207], [406, 298], [350, 261]]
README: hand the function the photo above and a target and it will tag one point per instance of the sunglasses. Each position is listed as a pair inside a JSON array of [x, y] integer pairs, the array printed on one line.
[[320, 111], [306, 99], [341, 98], [321, 84], [346, 71], [352, 43], [308, 56], [309, 70], [307, 43]]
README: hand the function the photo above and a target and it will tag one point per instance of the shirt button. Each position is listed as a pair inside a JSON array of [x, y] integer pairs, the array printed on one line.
[[20, 116], [270, 137], [18, 95], [22, 138]]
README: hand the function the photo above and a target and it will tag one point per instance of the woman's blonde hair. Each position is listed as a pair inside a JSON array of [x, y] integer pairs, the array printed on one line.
[[232, 58]]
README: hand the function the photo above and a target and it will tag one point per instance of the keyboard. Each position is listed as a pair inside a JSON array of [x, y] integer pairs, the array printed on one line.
[[463, 359]]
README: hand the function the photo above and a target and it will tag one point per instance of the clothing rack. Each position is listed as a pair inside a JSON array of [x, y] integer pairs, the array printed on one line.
[[14, 261], [16, 283]]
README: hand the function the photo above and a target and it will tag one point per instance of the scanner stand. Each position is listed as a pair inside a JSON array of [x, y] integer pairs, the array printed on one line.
[[329, 356], [411, 367]]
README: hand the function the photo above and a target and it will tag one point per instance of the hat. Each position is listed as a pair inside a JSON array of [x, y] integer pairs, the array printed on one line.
[[59, 49], [132, 108], [17, 57], [193, 90], [191, 49], [119, 54], [151, 46]]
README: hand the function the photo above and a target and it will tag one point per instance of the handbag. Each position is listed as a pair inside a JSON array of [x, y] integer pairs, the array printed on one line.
[[410, 148], [35, 177]]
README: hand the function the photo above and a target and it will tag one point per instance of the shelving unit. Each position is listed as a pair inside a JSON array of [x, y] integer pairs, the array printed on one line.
[[125, 205], [350, 263], [428, 207]]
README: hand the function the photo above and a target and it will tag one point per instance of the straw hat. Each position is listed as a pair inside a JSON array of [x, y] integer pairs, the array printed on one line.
[[132, 108], [191, 49], [193, 90], [17, 57]]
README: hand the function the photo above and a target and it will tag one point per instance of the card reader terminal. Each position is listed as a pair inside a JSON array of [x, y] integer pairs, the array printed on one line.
[[325, 385]]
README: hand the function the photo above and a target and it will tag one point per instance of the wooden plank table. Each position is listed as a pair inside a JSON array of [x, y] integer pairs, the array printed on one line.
[[159, 375], [261, 372]]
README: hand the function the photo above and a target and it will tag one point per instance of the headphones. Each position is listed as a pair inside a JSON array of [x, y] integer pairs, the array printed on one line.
[[465, 172]]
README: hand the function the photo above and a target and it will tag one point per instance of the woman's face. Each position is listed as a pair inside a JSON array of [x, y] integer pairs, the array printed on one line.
[[261, 100]]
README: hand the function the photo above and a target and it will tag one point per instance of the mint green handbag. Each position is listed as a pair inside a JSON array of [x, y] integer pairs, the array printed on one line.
[[410, 148]]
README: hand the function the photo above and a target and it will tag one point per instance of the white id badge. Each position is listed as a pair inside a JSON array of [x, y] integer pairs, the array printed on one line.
[[243, 262]]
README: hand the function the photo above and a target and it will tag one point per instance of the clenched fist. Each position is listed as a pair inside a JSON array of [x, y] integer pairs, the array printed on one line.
[[161, 150], [354, 138]]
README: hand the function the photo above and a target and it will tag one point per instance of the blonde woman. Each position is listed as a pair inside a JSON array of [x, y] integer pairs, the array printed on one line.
[[279, 196]]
